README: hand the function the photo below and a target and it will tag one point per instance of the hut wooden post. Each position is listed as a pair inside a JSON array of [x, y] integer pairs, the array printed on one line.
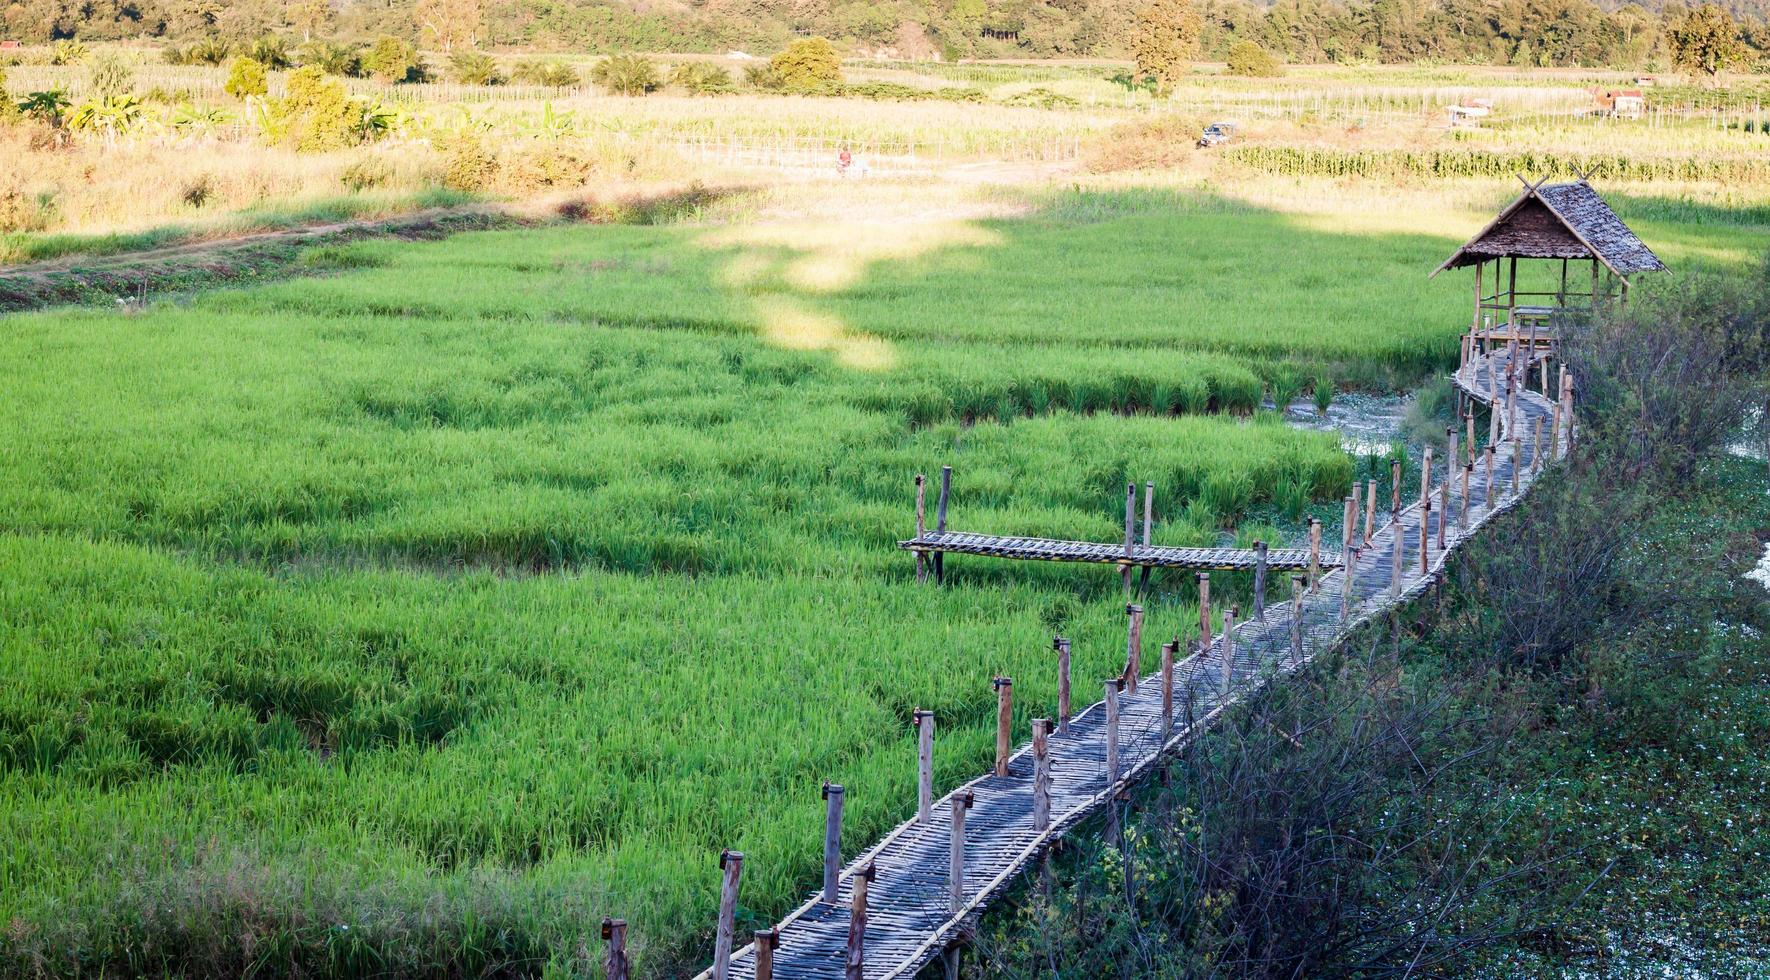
[[956, 850], [1061, 645], [833, 794], [1297, 585], [1133, 645], [767, 941], [1041, 788], [1314, 554], [1130, 530], [946, 492], [1204, 611], [1229, 648], [924, 722], [1112, 732], [921, 526], [614, 949], [857, 923], [1004, 721], [1168, 689], [1493, 404], [1260, 580], [732, 864], [1370, 511]]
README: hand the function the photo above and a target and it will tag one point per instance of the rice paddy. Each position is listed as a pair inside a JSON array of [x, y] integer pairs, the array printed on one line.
[[415, 616]]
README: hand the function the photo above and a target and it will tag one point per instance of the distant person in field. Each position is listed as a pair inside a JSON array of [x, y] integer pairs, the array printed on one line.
[[844, 160]]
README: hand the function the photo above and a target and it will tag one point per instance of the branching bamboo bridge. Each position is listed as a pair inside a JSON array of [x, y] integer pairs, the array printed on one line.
[[915, 894]]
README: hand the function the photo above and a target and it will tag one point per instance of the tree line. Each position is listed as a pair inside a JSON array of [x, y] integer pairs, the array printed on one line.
[[1509, 32]]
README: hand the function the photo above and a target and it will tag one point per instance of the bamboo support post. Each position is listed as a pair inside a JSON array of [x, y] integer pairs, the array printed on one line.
[[767, 941], [1487, 498], [1204, 611], [833, 794], [1133, 645], [1555, 431], [956, 849], [1004, 722], [1229, 647], [1112, 731], [614, 949], [1314, 554], [1469, 435], [1349, 581], [1394, 490], [1395, 544], [1168, 689], [1512, 408], [1426, 474], [1130, 530], [1349, 519], [1517, 459], [732, 864], [1061, 645], [1425, 535], [1370, 511], [1463, 512], [921, 526], [857, 923], [1297, 585], [1536, 445], [946, 492], [1493, 404], [1041, 788], [1148, 511], [1260, 580], [924, 722]]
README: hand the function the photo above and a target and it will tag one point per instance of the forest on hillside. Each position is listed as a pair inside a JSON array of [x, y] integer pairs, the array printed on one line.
[[1516, 32]]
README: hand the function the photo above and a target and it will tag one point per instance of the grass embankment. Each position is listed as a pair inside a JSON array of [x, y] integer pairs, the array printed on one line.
[[284, 698]]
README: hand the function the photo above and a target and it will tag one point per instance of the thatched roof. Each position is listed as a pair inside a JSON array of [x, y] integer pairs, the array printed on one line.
[[1558, 221]]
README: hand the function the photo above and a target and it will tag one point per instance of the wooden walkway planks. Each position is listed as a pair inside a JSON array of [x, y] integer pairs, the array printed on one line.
[[911, 914], [1139, 556]]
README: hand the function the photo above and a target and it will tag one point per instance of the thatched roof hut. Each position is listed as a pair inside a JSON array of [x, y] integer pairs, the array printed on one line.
[[1553, 222]]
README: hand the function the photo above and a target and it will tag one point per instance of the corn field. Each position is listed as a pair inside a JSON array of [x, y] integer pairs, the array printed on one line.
[[1300, 161]]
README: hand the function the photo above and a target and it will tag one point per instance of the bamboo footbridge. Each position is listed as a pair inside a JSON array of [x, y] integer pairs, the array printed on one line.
[[915, 895]]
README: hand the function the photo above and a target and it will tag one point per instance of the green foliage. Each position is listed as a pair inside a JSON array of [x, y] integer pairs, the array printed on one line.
[[315, 114], [1249, 59], [393, 60], [211, 51], [1324, 391], [808, 66], [470, 164], [246, 79], [69, 52], [701, 78], [109, 76], [45, 107], [1040, 97], [270, 51], [556, 74], [898, 92], [9, 110], [1705, 40], [474, 68], [111, 116], [626, 74], [1165, 40], [333, 59]]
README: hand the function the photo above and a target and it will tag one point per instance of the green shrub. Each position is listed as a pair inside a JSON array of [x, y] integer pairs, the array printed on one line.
[[545, 165], [1286, 386], [316, 114], [1163, 142], [393, 60], [365, 174], [110, 76], [555, 74], [1041, 98], [333, 59], [474, 68], [211, 51], [246, 78], [626, 74], [763, 77], [1250, 59], [469, 165], [808, 66], [700, 78], [8, 110], [67, 53], [270, 51], [1324, 391]]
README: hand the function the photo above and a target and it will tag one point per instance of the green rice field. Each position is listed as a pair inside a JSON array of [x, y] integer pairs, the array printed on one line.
[[410, 617]]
